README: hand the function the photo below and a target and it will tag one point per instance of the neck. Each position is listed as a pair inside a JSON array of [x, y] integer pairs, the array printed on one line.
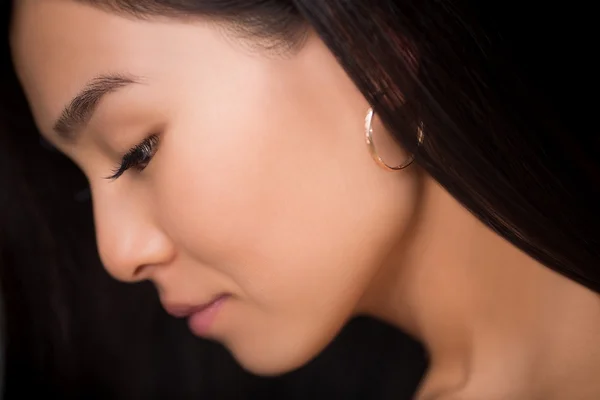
[[494, 321]]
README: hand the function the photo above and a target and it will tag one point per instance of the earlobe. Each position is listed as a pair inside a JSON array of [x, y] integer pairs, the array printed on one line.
[[389, 142]]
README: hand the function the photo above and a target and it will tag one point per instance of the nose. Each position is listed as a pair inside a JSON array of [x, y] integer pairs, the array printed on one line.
[[130, 242]]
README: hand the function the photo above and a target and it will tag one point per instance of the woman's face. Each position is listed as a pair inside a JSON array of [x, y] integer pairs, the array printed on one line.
[[256, 183]]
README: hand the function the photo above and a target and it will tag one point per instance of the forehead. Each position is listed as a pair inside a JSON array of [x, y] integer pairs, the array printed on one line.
[[60, 45]]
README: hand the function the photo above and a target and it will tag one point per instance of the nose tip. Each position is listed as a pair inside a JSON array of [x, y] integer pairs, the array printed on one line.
[[132, 259], [131, 242]]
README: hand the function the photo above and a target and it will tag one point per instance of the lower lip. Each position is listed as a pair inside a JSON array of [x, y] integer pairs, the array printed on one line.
[[201, 321]]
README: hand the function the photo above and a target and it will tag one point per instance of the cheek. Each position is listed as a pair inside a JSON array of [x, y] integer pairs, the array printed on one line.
[[277, 191], [275, 214]]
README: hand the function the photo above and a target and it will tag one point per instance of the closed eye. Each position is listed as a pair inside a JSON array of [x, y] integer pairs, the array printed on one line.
[[138, 157]]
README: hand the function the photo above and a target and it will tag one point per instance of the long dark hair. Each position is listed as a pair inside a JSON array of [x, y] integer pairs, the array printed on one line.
[[493, 86], [495, 90]]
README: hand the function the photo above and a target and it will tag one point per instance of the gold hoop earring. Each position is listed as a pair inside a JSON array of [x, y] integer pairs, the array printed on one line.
[[373, 150]]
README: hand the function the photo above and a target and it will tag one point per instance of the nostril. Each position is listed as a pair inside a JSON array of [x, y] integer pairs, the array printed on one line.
[[130, 244], [141, 272]]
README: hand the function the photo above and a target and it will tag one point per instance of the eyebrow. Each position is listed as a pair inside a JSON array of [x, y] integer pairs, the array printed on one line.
[[81, 108]]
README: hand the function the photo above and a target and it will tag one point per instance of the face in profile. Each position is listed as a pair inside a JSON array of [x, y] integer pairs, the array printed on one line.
[[228, 176]]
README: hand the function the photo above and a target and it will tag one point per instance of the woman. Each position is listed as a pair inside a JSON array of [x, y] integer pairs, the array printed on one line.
[[277, 167]]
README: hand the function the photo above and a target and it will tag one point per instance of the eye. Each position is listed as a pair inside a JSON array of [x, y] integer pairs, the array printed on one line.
[[138, 157]]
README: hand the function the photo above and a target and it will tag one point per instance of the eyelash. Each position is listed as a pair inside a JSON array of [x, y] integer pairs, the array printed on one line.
[[137, 157]]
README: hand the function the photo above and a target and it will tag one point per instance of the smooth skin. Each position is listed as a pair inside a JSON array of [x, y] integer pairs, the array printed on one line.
[[261, 187]]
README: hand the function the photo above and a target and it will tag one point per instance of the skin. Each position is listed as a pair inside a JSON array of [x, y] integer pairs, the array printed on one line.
[[262, 188]]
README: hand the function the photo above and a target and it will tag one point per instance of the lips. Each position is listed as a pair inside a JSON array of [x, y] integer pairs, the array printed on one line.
[[184, 311]]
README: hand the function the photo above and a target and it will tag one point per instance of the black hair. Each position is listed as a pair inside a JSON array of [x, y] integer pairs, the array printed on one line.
[[495, 87], [486, 83]]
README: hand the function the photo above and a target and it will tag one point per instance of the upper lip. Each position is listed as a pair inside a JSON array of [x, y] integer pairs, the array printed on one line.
[[185, 310]]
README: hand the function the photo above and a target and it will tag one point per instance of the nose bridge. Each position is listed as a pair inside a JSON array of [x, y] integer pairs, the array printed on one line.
[[130, 241]]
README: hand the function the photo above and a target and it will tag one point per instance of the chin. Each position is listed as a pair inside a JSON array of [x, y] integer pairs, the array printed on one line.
[[269, 359], [270, 364]]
